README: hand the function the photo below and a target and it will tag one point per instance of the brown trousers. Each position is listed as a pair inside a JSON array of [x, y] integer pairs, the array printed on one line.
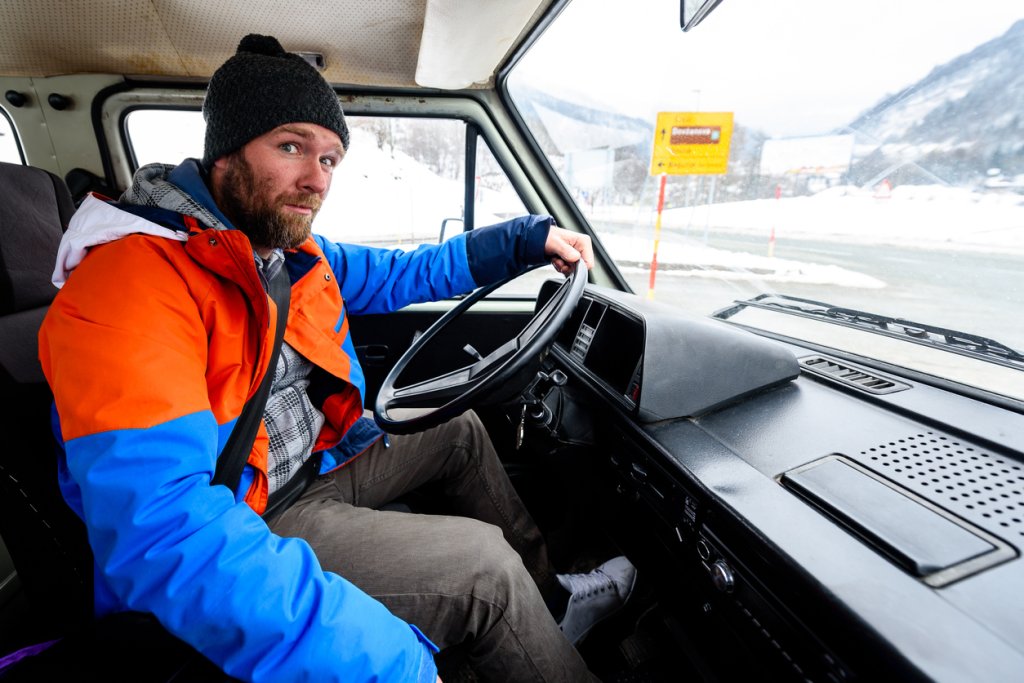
[[470, 579]]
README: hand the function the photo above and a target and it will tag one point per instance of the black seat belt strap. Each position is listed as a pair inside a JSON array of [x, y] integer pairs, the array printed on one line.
[[236, 451]]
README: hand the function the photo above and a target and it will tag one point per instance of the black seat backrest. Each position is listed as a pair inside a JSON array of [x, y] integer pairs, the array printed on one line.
[[47, 542]]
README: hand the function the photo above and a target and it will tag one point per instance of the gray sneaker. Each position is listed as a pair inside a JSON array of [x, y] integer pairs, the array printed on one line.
[[595, 596]]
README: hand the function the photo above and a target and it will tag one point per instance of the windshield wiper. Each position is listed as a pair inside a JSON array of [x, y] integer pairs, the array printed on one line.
[[921, 333]]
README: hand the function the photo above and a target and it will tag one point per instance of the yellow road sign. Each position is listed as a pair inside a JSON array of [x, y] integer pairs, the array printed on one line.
[[691, 143]]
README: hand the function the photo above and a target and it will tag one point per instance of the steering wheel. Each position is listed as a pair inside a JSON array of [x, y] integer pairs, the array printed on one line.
[[460, 389]]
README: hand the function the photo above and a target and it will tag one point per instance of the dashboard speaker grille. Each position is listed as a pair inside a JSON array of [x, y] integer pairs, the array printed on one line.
[[979, 486]]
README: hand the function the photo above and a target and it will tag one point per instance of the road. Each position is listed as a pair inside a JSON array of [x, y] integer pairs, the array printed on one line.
[[979, 293]]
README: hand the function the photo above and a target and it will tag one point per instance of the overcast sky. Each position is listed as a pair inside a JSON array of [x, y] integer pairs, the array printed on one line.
[[789, 67]]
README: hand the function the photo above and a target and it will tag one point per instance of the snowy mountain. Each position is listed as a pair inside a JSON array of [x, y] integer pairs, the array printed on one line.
[[962, 119], [953, 127]]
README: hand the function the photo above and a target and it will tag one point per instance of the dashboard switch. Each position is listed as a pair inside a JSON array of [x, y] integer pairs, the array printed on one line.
[[722, 576]]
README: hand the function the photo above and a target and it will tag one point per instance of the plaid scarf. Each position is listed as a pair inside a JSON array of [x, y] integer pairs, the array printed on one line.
[[150, 187]]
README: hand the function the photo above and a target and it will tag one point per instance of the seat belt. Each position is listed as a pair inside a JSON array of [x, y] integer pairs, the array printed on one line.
[[281, 499], [236, 451]]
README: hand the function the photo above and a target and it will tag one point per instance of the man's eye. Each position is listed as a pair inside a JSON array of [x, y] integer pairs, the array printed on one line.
[[288, 147], [330, 162]]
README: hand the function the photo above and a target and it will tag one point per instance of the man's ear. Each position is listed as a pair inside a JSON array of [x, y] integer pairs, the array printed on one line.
[[216, 174]]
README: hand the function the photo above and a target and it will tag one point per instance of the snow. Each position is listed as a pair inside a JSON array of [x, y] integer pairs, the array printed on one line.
[[387, 198], [391, 200], [633, 254], [927, 216]]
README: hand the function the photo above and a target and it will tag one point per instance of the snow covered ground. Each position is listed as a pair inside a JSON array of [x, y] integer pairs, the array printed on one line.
[[926, 217], [690, 259], [393, 200], [930, 216], [390, 199]]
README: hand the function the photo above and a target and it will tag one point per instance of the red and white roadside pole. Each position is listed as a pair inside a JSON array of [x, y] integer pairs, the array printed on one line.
[[771, 236], [657, 235]]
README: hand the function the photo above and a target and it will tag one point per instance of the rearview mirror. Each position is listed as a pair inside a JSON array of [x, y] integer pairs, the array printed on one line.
[[692, 12]]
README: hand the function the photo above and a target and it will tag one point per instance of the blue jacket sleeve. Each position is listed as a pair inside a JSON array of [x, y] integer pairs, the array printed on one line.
[[258, 605], [507, 249], [384, 280]]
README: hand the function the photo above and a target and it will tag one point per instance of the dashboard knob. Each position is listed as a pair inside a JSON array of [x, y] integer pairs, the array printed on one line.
[[722, 576]]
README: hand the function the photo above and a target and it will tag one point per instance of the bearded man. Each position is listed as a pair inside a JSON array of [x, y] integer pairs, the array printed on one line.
[[160, 336]]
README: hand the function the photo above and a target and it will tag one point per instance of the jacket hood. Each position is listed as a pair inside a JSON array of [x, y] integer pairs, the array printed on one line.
[[154, 204], [97, 222]]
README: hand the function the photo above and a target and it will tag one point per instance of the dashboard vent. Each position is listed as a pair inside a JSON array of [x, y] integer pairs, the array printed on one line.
[[581, 344], [851, 376]]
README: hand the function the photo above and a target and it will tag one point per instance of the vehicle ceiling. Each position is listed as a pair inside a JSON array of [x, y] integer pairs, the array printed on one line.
[[401, 43]]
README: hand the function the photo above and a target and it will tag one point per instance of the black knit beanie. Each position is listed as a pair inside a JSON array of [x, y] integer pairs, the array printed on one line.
[[260, 88]]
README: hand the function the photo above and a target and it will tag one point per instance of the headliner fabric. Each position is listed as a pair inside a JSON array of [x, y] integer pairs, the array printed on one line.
[[363, 43]]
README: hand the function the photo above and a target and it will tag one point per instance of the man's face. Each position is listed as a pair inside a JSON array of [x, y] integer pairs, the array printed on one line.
[[272, 188]]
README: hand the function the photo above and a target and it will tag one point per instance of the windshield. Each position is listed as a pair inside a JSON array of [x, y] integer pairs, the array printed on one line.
[[869, 155]]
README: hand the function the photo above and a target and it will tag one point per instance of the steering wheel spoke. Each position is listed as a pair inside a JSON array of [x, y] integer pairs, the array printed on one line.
[[494, 358], [441, 388], [453, 384]]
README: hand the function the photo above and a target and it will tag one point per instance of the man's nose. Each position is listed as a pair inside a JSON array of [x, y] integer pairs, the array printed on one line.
[[315, 177]]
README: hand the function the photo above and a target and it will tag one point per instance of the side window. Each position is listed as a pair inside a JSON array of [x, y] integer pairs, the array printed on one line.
[[496, 200], [9, 150], [165, 136], [402, 178]]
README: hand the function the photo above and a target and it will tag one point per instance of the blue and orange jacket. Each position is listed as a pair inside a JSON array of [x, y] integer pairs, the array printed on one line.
[[152, 348]]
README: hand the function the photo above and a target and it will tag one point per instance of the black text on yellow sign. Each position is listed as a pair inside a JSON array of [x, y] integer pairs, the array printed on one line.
[[691, 143]]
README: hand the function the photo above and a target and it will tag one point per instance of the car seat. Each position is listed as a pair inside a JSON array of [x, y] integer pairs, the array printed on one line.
[[46, 540]]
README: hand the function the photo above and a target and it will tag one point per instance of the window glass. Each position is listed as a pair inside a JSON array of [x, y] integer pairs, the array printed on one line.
[[399, 179], [402, 179], [496, 200], [165, 136], [9, 150], [866, 156]]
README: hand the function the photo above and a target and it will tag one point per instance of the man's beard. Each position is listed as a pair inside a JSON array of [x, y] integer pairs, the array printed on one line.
[[246, 200]]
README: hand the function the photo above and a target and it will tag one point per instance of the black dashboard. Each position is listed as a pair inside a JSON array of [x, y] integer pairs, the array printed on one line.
[[863, 529]]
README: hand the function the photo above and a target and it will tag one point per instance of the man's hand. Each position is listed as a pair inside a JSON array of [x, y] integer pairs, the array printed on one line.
[[565, 247]]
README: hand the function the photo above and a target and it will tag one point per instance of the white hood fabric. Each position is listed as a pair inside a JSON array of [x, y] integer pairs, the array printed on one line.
[[97, 222]]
